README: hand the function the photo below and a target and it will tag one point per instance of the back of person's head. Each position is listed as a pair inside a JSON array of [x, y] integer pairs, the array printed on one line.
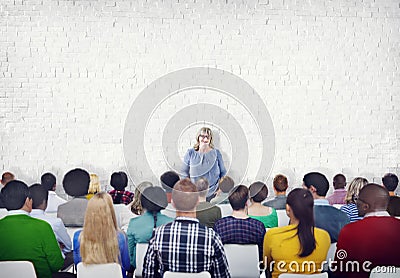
[[153, 200], [185, 196], [118, 181], [39, 194], [280, 183], [98, 239], [48, 180], [202, 186], [226, 184], [339, 181], [258, 191], [390, 181], [6, 177], [136, 205], [354, 189], [94, 184], [15, 194], [76, 182], [318, 181], [372, 198], [301, 203], [238, 197], [168, 180]]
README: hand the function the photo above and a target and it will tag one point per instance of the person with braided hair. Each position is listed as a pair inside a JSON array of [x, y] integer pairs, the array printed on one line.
[[140, 229]]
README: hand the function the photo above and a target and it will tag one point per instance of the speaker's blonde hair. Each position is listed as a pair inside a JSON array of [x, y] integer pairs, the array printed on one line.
[[207, 131], [98, 239]]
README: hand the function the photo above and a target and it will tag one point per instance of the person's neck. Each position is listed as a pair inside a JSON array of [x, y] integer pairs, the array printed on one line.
[[190, 214], [317, 197], [202, 199], [294, 220], [391, 193], [204, 149], [339, 188], [277, 193], [257, 205], [240, 214]]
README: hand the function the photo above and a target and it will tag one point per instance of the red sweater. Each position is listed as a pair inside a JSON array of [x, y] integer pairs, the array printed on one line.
[[375, 239]]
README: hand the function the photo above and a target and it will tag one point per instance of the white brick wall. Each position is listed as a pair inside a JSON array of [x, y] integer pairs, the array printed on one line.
[[328, 72]]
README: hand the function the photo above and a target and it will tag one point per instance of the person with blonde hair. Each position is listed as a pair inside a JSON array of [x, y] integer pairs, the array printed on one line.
[[94, 186], [100, 241], [136, 204], [350, 208]]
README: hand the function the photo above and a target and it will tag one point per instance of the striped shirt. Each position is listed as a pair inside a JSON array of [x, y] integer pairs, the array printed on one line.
[[351, 211], [184, 245]]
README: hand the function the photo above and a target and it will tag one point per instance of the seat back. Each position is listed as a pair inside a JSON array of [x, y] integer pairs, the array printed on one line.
[[17, 269], [3, 213], [169, 274], [330, 256], [243, 260], [141, 249], [385, 272], [283, 219], [295, 275], [226, 209], [99, 270]]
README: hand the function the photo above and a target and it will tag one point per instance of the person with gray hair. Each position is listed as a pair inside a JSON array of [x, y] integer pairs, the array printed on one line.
[[206, 212]]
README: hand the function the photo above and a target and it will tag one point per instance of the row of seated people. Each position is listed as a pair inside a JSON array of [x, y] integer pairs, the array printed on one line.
[[238, 228]]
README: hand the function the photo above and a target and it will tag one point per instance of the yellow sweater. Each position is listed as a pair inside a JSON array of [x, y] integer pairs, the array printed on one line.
[[283, 246]]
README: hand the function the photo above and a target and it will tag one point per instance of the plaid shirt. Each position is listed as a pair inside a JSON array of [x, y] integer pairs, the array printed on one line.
[[241, 231], [126, 196], [184, 245]]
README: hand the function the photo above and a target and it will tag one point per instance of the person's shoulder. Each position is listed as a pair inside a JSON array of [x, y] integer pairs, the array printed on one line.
[[321, 233], [256, 222]]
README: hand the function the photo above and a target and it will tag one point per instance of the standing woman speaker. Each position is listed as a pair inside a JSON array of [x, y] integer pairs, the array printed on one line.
[[203, 160]]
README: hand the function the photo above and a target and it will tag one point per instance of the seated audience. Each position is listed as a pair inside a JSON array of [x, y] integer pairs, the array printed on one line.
[[372, 241], [240, 228], [350, 207], [168, 181], [24, 238], [94, 186], [48, 180], [7, 177], [258, 193], [339, 194], [207, 213], [293, 247], [76, 184], [280, 185], [100, 242], [326, 216], [141, 228], [390, 181], [225, 185], [39, 195], [185, 245], [119, 181]]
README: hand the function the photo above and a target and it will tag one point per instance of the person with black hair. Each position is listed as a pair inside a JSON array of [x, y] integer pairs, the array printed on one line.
[[390, 181], [326, 217], [300, 242], [140, 229], [119, 181], [76, 184], [168, 180], [24, 238], [48, 180]]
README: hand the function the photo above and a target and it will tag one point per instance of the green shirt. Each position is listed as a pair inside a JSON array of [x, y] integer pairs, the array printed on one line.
[[24, 238], [208, 214], [269, 221]]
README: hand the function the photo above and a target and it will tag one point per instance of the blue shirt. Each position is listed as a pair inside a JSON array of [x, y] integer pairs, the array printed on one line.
[[208, 165], [123, 249]]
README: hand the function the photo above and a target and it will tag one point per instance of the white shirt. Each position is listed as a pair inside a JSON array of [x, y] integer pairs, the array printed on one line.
[[53, 202], [58, 227], [377, 213]]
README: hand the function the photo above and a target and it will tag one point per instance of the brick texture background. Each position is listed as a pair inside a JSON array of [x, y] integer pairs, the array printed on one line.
[[328, 72]]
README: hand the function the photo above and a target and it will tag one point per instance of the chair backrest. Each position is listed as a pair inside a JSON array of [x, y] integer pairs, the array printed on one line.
[[3, 213], [17, 269], [243, 260], [141, 249], [338, 206], [330, 256], [283, 219], [385, 272], [295, 275], [99, 270], [169, 274], [226, 209], [118, 211]]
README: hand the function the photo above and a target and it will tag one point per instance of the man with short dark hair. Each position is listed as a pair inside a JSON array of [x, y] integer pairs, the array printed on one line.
[[24, 238], [326, 216], [369, 242], [206, 212], [338, 195], [185, 245], [48, 180], [76, 184], [390, 181], [239, 228], [168, 181], [225, 185], [119, 181], [280, 185]]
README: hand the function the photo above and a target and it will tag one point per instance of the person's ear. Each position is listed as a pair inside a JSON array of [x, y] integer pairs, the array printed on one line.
[[28, 203], [288, 210]]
